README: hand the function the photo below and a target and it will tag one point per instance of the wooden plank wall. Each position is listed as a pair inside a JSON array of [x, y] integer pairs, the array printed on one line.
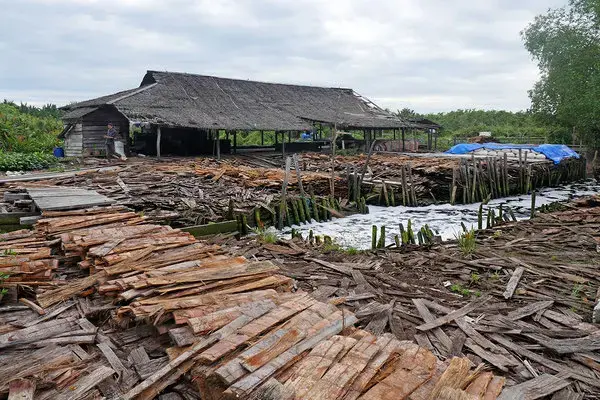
[[95, 127], [74, 142]]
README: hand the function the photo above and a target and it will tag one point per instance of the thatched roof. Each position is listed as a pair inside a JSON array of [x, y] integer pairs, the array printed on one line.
[[208, 102]]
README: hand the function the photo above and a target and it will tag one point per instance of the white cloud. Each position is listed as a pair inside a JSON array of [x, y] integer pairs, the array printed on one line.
[[430, 55]]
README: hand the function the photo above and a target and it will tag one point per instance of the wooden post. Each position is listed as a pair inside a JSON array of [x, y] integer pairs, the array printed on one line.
[[262, 138], [276, 141], [234, 142], [333, 147], [395, 133], [289, 136], [282, 204], [453, 187], [404, 186], [403, 130], [218, 145], [158, 134], [283, 144], [364, 171], [374, 237]]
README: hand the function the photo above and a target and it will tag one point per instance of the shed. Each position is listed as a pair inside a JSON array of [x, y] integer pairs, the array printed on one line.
[[183, 113]]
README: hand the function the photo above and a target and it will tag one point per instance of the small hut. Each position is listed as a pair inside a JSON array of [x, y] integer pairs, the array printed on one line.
[[187, 114]]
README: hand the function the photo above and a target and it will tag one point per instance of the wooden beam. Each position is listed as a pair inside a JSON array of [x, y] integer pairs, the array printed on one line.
[[158, 134]]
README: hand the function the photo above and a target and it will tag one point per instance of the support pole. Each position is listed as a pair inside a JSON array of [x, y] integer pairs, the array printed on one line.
[[262, 138], [283, 143], [234, 142], [158, 134], [403, 138], [218, 139]]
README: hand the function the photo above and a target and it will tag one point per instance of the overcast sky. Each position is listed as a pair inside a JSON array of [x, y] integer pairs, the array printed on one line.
[[429, 55]]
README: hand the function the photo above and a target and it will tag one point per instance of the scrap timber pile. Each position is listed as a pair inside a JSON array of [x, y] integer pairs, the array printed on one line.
[[522, 302], [189, 192], [155, 313]]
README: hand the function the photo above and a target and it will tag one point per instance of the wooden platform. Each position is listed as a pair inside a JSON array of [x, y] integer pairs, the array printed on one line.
[[60, 198]]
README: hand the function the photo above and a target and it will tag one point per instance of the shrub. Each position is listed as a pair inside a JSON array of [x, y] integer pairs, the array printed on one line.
[[25, 161], [467, 242], [26, 133]]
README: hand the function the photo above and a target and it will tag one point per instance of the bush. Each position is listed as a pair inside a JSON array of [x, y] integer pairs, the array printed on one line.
[[25, 161], [26, 133]]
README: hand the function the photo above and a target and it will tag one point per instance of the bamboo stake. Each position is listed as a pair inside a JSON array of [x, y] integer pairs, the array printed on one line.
[[412, 186], [453, 187], [282, 204], [474, 187], [314, 206], [404, 191], [385, 194], [374, 237], [506, 181], [381, 243]]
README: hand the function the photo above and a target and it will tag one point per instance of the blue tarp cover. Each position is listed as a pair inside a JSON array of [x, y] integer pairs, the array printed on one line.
[[554, 152]]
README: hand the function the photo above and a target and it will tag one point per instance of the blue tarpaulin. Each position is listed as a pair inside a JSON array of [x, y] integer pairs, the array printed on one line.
[[554, 152]]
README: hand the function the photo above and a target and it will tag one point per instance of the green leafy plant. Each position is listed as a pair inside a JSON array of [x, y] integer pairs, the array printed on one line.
[[457, 288], [25, 161], [265, 235], [475, 277], [9, 252], [3, 277], [576, 291], [467, 242], [351, 251], [27, 129]]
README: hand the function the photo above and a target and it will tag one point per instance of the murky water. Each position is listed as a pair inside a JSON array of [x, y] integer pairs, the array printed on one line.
[[355, 231]]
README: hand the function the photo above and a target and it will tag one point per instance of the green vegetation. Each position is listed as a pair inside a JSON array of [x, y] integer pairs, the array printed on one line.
[[467, 242], [25, 161], [3, 277], [576, 291], [517, 127], [265, 235], [458, 288], [351, 251], [475, 277], [566, 44], [27, 129]]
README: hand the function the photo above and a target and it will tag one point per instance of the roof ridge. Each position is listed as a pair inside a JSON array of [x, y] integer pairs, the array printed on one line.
[[246, 80]]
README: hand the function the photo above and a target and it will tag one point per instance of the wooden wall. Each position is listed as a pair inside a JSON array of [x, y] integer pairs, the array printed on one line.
[[95, 126], [74, 141]]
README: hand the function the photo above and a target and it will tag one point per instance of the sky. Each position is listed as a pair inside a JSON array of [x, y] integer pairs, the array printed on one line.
[[427, 55]]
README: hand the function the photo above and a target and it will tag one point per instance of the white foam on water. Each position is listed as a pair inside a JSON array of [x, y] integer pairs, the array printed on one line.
[[444, 219]]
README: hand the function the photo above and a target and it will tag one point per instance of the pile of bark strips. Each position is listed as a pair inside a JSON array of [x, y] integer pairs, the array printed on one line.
[[522, 303], [190, 192], [149, 312]]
